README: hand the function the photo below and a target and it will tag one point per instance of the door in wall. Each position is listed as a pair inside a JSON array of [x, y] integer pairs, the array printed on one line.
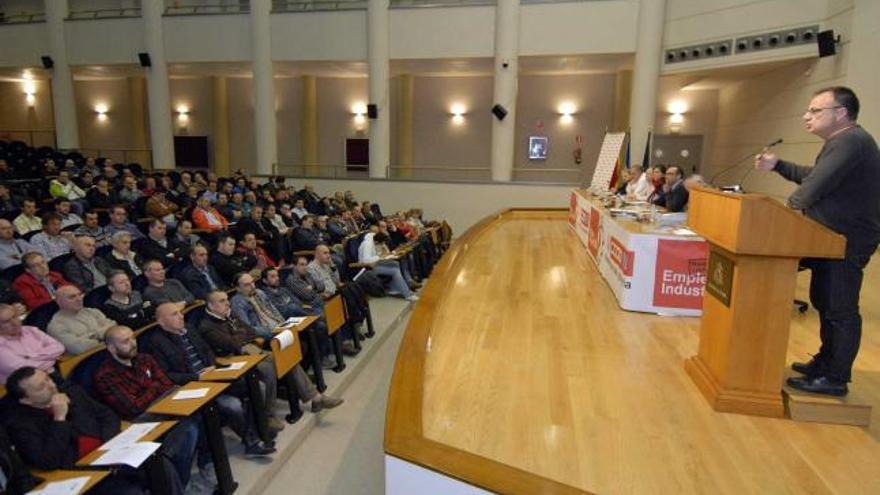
[[357, 154], [681, 150]]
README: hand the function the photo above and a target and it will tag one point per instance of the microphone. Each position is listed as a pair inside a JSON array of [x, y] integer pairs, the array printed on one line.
[[739, 162], [742, 181]]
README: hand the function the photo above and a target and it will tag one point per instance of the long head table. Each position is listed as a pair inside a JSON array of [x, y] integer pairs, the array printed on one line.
[[648, 268]]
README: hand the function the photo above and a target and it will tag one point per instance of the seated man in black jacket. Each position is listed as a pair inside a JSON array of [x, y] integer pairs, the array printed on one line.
[[16, 477], [199, 277], [84, 269], [184, 356], [676, 197], [306, 237], [52, 427], [228, 262], [158, 246]]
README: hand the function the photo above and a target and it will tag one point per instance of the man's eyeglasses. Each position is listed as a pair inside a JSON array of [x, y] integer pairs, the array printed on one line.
[[814, 111]]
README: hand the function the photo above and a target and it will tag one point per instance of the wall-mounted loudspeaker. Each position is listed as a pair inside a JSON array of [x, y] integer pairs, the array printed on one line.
[[144, 58], [372, 111], [499, 112], [48, 63], [827, 43]]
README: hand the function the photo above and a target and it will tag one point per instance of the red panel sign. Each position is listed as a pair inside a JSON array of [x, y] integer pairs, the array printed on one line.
[[620, 257], [680, 273]]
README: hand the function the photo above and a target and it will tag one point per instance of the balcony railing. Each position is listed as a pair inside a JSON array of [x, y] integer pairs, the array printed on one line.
[[120, 13], [22, 17], [421, 173]]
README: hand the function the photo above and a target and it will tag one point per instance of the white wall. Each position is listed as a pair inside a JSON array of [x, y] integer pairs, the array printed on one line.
[[104, 41], [405, 478], [460, 204], [578, 27]]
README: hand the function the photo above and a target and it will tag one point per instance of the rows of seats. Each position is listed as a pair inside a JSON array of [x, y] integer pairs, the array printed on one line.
[[113, 271]]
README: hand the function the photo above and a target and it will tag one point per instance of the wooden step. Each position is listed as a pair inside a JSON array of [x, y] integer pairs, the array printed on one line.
[[852, 409]]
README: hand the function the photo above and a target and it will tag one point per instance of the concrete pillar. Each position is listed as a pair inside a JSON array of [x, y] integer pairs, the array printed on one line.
[[404, 137], [309, 126], [265, 136], [377, 60], [137, 95], [622, 97], [506, 72], [646, 72], [63, 102], [862, 76], [158, 92], [220, 127]]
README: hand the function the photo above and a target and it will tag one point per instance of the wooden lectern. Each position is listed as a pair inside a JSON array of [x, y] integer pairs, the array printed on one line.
[[755, 244]]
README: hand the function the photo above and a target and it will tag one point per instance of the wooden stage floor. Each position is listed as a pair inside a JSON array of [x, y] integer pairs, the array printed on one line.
[[533, 364]]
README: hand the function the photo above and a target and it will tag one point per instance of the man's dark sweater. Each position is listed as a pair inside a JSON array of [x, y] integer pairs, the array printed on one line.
[[842, 189]]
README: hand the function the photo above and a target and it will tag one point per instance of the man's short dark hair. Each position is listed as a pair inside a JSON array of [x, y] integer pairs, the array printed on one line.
[[118, 207], [61, 200], [156, 222], [223, 237], [48, 217], [844, 97], [13, 383], [30, 200], [380, 238], [238, 276]]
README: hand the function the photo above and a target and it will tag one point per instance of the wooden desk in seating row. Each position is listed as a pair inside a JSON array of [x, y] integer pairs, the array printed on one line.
[[649, 269]]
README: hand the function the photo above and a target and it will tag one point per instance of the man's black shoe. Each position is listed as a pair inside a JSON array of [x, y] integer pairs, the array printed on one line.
[[810, 368], [818, 385], [258, 450]]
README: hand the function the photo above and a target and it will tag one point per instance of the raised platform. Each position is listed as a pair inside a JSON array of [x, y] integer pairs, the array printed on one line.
[[519, 373], [852, 409]]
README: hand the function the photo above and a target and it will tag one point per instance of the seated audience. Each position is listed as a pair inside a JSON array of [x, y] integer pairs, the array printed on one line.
[[37, 285], [129, 382], [28, 221], [299, 208], [198, 276], [205, 216], [229, 263], [121, 257], [276, 219], [24, 345], [306, 237], [64, 188], [51, 241], [125, 305], [68, 218], [119, 223], [17, 478], [84, 269], [248, 247], [12, 249], [158, 246], [101, 195], [161, 289], [52, 427], [92, 228], [252, 306], [129, 192], [226, 209], [184, 235], [80, 329], [373, 252], [229, 335], [184, 356], [262, 228]]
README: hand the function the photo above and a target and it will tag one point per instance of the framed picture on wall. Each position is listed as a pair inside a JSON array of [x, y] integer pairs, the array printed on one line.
[[538, 147]]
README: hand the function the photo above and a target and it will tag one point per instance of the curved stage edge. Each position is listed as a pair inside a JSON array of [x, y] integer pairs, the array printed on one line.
[[404, 436]]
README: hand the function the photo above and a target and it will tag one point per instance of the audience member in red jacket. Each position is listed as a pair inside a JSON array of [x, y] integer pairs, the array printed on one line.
[[37, 284], [205, 216]]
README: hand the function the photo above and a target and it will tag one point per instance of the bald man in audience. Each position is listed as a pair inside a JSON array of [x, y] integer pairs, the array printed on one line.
[[161, 289], [80, 329], [185, 356], [24, 345]]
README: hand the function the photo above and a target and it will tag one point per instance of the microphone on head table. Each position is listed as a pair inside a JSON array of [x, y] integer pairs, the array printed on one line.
[[737, 187]]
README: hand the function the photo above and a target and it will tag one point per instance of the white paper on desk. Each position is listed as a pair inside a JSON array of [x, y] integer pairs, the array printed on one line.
[[132, 455], [70, 486], [285, 339], [294, 321], [237, 365], [195, 393], [129, 435]]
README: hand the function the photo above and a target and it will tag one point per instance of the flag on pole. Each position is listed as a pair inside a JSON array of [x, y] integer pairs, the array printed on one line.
[[622, 163], [646, 159]]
